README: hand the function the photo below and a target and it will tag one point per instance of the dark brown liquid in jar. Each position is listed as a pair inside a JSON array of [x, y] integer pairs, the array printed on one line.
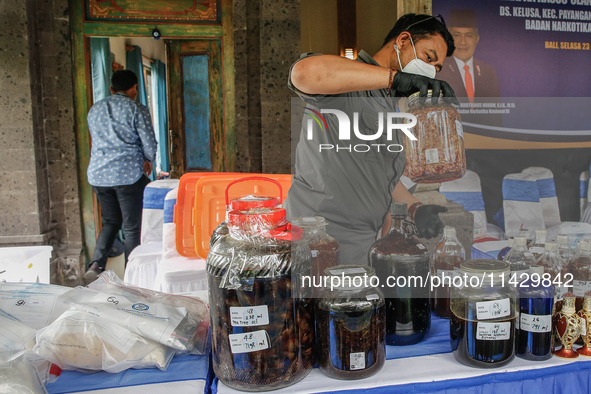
[[440, 300], [469, 350]]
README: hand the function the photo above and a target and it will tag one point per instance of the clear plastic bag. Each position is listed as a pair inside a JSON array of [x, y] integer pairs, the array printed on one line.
[[82, 341], [187, 318], [18, 375], [14, 334]]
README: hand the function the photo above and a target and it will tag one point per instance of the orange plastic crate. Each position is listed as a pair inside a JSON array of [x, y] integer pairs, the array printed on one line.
[[183, 212], [210, 200]]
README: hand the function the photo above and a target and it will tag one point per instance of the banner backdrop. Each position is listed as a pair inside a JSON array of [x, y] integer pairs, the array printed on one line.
[[528, 65]]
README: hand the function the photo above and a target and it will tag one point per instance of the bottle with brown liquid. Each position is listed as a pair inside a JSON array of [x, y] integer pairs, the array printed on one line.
[[447, 257], [402, 263], [324, 248], [564, 249], [580, 268], [540, 241]]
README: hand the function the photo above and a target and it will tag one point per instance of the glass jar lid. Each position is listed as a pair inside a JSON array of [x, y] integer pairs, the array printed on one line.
[[250, 202], [485, 267]]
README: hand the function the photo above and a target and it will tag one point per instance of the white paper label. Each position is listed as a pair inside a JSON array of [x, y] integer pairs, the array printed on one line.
[[583, 322], [421, 246], [371, 297], [536, 249], [580, 287], [248, 342], [460, 128], [357, 361], [493, 331], [432, 156], [249, 316], [448, 273], [348, 271], [493, 309], [535, 323], [314, 253], [560, 291]]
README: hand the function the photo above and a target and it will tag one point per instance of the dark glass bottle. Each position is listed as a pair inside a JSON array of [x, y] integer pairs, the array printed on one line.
[[447, 257], [401, 259], [534, 332]]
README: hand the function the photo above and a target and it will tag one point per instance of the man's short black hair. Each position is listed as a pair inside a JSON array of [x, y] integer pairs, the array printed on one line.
[[422, 26], [123, 80]]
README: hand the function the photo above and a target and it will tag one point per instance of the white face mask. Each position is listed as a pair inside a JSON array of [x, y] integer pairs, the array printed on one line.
[[416, 66]]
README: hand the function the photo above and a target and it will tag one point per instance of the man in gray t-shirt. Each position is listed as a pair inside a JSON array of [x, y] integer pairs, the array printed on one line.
[[352, 181]]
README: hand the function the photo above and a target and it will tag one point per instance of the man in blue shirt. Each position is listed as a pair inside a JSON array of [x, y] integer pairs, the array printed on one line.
[[123, 149]]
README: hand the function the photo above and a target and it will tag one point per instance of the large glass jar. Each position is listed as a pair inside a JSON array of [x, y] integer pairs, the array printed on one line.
[[351, 324], [482, 325], [324, 248], [580, 268], [242, 204], [447, 257], [438, 154], [402, 266], [262, 324]]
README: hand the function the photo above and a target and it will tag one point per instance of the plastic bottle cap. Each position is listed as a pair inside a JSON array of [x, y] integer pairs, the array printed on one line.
[[585, 244], [520, 241], [551, 246], [562, 238], [449, 231], [541, 233], [399, 209]]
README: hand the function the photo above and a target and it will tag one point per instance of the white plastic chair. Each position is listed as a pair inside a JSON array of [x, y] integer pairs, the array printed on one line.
[[521, 203], [547, 191]]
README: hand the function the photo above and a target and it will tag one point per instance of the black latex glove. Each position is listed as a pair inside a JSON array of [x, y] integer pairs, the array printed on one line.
[[407, 84], [427, 220]]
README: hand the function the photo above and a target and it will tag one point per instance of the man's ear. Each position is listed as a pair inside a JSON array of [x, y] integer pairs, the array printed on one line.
[[402, 39], [111, 89]]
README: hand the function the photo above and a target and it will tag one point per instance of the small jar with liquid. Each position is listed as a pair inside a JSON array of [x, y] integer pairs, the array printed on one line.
[[518, 259], [484, 311], [539, 243], [350, 324], [564, 249]]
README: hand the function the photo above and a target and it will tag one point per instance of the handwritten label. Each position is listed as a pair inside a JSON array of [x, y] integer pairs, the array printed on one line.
[[357, 361], [580, 287], [493, 309], [248, 342], [249, 316], [535, 323], [421, 246], [493, 331], [314, 253], [432, 156]]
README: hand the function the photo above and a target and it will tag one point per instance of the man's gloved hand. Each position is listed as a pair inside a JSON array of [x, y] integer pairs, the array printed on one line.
[[407, 84], [427, 220]]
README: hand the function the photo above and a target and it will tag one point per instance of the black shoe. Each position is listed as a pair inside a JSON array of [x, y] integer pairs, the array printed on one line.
[[93, 272]]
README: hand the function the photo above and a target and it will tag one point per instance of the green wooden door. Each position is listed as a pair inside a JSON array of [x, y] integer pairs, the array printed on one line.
[[195, 103]]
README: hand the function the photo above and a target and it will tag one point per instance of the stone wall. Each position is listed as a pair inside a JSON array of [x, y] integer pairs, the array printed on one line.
[[266, 43], [39, 201]]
